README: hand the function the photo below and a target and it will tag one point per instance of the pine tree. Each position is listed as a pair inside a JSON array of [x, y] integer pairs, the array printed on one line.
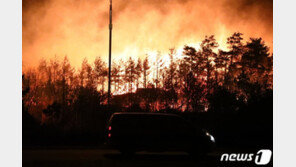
[[130, 73], [207, 46], [139, 70], [116, 74], [100, 71], [146, 71]]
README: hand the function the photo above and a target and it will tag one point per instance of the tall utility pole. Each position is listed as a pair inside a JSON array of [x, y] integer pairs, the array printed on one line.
[[110, 42]]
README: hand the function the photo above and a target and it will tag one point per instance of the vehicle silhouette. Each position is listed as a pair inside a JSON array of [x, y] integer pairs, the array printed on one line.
[[131, 132]]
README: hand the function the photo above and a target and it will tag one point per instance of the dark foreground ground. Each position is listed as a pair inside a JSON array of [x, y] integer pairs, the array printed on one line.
[[112, 158]]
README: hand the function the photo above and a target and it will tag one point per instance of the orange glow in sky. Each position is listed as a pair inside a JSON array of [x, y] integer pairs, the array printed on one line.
[[79, 28]]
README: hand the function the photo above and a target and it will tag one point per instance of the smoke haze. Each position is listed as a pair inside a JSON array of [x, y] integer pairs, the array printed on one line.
[[79, 28]]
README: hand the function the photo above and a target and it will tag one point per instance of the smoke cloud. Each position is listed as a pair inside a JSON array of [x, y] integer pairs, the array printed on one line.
[[79, 28]]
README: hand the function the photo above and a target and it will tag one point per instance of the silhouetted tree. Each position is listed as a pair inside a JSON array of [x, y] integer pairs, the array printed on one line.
[[157, 64], [237, 48], [67, 78], [139, 70], [169, 85], [116, 75], [256, 66], [82, 73], [221, 65], [256, 61], [90, 76], [183, 79], [201, 79], [146, 72], [194, 93], [100, 71], [130, 73], [207, 46]]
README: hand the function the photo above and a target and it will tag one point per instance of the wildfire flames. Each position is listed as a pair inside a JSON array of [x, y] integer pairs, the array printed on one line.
[[167, 56], [79, 29]]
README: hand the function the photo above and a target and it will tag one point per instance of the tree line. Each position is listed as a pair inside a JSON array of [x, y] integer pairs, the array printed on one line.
[[207, 79]]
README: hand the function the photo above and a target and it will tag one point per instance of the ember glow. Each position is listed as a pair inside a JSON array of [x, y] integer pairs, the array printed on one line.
[[79, 29]]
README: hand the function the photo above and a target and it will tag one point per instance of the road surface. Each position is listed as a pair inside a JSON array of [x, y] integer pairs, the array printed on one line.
[[112, 158]]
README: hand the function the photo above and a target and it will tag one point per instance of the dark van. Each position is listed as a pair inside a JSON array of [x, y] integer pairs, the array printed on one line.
[[131, 132]]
